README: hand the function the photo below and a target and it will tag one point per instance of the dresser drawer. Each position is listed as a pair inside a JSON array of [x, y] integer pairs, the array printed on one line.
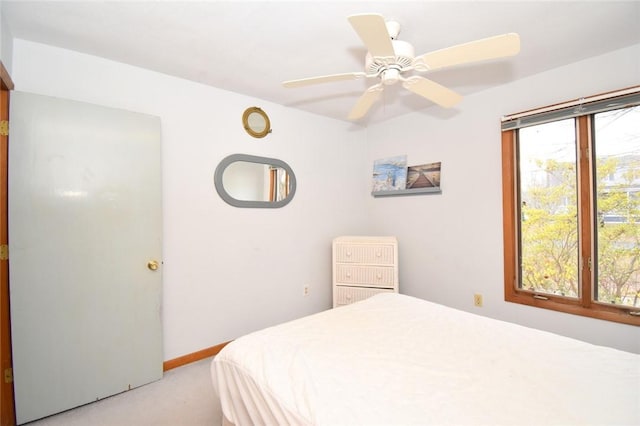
[[374, 255], [363, 266], [372, 276], [347, 295]]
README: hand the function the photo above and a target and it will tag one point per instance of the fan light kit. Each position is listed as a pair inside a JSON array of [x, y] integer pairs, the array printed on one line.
[[389, 60]]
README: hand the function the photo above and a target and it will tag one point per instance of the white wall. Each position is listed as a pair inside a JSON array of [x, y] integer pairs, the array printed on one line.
[[227, 271], [451, 244], [6, 43]]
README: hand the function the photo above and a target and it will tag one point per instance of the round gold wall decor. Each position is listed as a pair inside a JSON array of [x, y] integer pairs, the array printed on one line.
[[256, 122]]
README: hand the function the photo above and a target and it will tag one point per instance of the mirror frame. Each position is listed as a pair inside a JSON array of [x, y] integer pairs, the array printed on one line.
[[217, 179], [252, 132]]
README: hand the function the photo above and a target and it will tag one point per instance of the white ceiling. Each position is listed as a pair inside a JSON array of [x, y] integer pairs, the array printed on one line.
[[250, 47]]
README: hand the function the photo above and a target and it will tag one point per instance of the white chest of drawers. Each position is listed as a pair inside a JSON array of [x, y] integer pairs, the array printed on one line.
[[362, 267]]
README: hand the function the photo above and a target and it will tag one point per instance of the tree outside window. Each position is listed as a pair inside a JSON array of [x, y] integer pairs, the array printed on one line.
[[572, 214]]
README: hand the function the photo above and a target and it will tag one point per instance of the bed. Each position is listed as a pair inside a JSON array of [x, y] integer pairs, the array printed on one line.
[[393, 359]]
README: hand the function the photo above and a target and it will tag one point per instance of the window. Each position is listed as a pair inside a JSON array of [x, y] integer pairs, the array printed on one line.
[[571, 202]]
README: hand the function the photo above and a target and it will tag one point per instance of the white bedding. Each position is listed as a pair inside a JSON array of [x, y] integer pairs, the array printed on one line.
[[398, 360]]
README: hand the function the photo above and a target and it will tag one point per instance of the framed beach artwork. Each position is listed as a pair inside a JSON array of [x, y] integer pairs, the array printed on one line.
[[424, 176], [390, 174]]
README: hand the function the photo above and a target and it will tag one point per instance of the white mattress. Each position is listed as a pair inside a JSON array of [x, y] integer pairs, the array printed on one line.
[[394, 359]]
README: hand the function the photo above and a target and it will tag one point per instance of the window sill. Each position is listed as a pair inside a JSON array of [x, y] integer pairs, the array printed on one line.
[[572, 306]]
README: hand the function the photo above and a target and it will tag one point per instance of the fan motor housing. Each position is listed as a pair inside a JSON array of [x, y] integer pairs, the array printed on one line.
[[404, 54]]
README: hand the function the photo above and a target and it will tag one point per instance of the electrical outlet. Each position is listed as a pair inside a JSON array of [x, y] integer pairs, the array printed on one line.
[[306, 289], [477, 300]]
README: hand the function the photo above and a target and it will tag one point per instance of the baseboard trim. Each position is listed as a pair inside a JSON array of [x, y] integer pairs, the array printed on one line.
[[193, 357]]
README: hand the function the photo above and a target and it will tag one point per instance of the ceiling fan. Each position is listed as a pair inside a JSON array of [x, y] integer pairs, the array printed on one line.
[[389, 60]]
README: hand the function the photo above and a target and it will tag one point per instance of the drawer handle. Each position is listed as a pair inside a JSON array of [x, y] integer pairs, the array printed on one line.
[[348, 297], [378, 253], [348, 275], [379, 276], [348, 254]]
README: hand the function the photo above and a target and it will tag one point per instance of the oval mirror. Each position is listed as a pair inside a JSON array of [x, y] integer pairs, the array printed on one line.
[[256, 122], [244, 180]]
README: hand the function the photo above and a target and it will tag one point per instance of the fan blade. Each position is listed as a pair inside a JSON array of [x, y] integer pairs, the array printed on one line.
[[373, 31], [479, 50], [365, 101], [431, 90], [324, 79]]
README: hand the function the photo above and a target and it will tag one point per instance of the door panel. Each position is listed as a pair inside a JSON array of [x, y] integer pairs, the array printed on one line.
[[84, 220]]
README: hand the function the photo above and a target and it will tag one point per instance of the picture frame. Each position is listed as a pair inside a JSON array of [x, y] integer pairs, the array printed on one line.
[[424, 176], [390, 174], [391, 177]]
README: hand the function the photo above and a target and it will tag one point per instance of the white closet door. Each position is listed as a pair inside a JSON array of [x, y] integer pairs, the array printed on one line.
[[85, 218]]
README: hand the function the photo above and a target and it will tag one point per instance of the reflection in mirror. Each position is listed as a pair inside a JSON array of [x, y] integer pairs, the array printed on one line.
[[257, 123], [255, 182], [249, 181]]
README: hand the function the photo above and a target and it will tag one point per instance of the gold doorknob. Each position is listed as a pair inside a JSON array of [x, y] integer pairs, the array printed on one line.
[[153, 265]]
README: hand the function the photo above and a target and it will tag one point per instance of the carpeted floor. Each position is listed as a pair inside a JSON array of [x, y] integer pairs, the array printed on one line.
[[183, 397]]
